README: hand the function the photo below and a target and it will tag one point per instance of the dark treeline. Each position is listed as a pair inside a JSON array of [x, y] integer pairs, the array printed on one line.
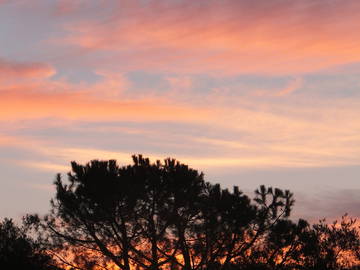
[[165, 216]]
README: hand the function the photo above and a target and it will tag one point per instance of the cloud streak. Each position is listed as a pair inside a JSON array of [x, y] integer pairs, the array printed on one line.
[[11, 69], [31, 105]]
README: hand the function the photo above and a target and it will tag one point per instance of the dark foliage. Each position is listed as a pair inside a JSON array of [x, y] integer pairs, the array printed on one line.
[[165, 216], [19, 251]]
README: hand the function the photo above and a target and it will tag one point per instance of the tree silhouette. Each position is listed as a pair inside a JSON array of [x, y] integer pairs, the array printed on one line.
[[163, 215], [19, 251], [335, 246], [125, 215]]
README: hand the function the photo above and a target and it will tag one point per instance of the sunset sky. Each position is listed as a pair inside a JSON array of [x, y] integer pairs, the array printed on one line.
[[250, 92]]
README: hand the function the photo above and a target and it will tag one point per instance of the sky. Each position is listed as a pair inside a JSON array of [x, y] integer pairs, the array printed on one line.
[[249, 92]]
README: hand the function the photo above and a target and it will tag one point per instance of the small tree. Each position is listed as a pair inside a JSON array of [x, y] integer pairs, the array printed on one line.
[[332, 247], [19, 251]]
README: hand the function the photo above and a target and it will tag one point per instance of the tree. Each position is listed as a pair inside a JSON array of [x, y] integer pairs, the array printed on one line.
[[123, 215], [156, 215], [19, 251]]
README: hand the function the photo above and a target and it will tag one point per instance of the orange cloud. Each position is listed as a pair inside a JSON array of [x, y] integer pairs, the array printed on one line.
[[31, 98], [78, 106], [103, 100]]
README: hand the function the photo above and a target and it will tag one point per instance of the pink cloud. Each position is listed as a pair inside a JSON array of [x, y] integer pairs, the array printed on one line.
[[65, 7], [226, 37]]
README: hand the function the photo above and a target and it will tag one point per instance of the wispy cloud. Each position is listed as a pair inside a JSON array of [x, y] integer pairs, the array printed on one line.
[[292, 87], [11, 69], [329, 203]]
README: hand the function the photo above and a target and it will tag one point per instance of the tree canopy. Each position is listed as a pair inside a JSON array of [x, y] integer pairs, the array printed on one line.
[[164, 215]]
